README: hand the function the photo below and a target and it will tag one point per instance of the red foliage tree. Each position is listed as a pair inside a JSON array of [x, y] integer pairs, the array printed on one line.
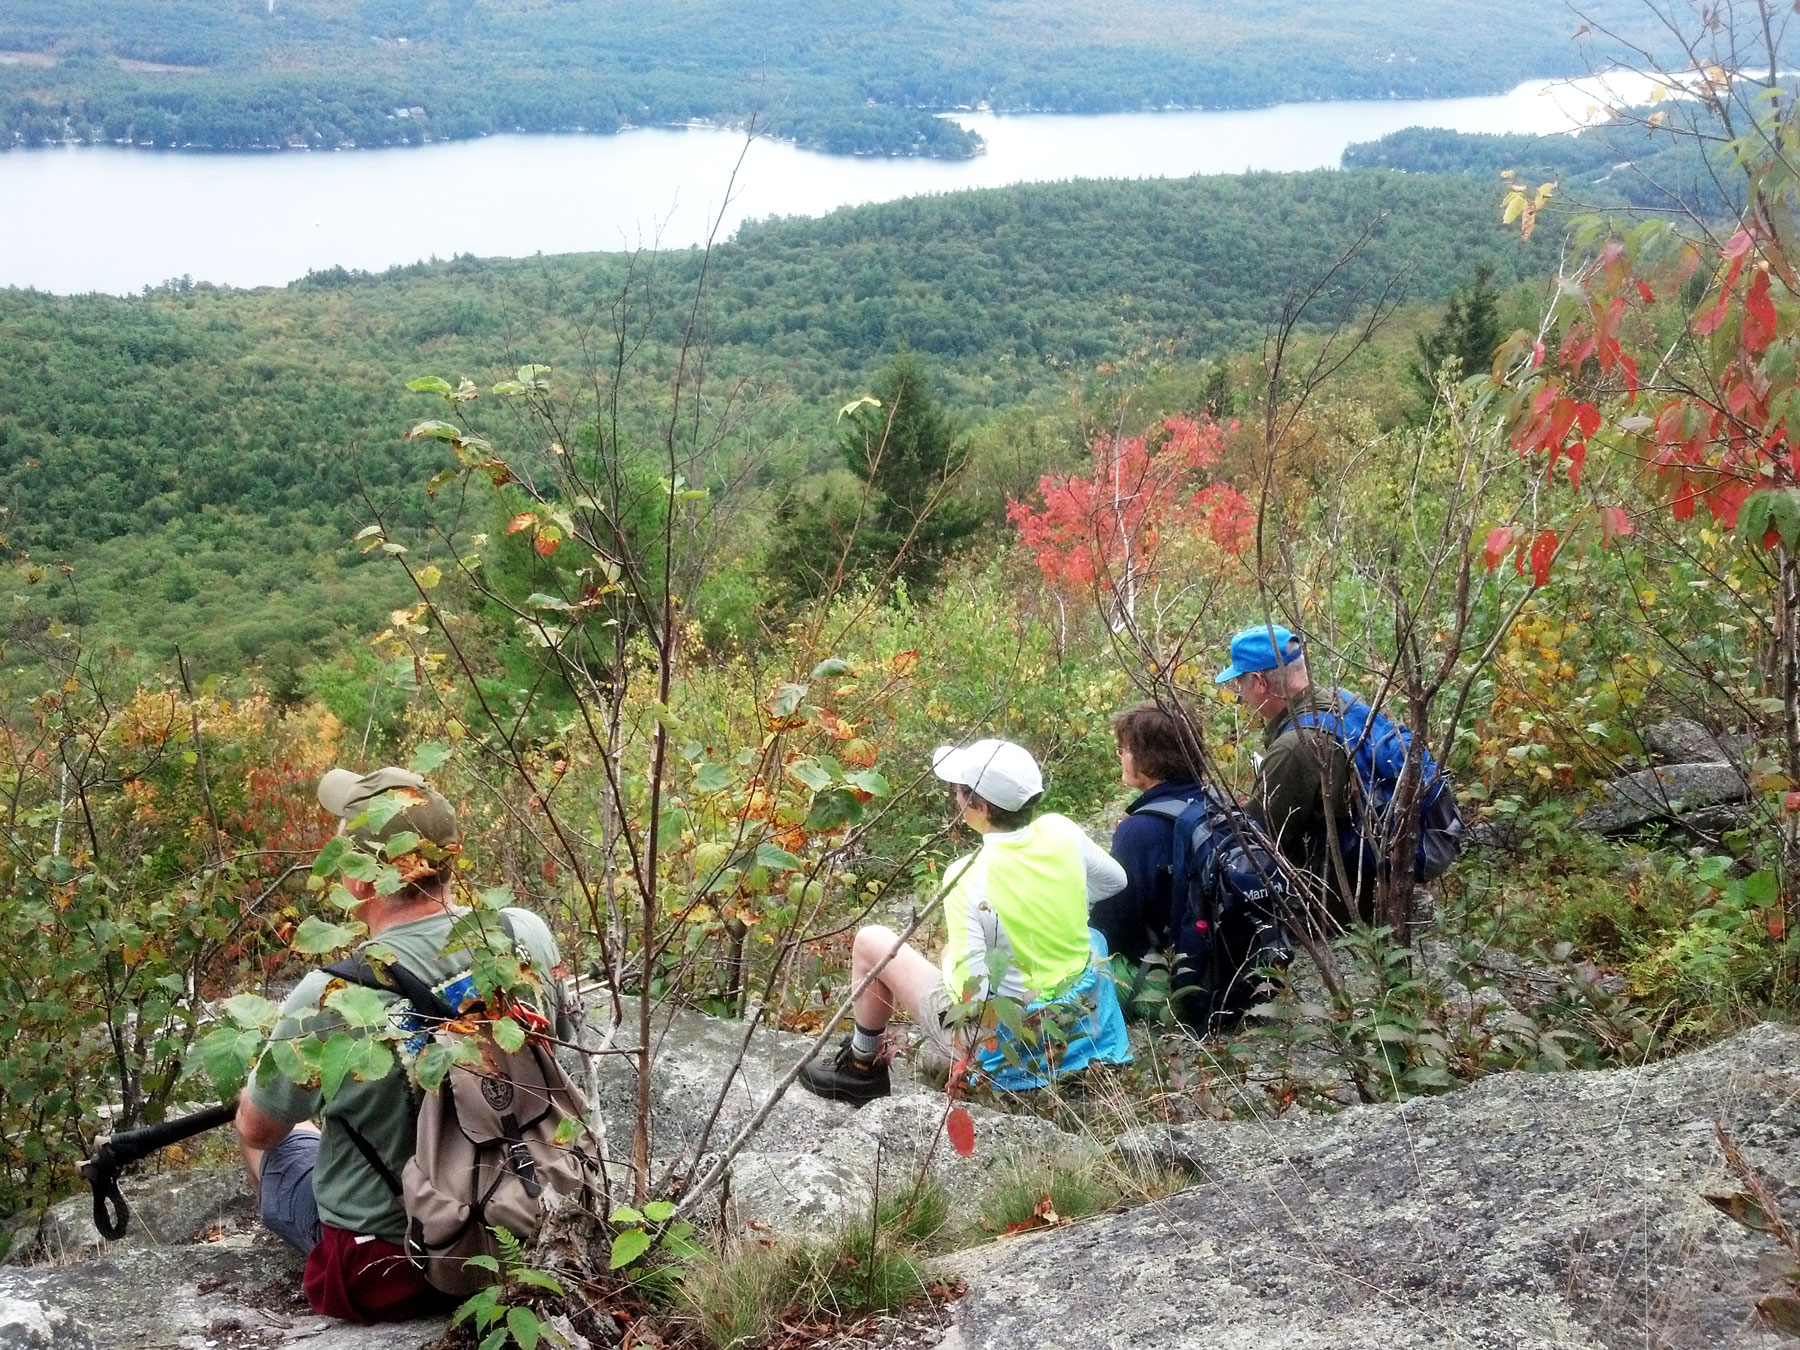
[[1147, 501]]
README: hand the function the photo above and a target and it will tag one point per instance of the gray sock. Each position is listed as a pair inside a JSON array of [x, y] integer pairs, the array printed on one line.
[[864, 1043]]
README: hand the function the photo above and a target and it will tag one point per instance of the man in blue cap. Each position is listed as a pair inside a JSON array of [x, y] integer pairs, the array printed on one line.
[[1303, 775]]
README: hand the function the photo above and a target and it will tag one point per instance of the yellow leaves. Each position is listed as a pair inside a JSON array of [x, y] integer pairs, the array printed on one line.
[[1523, 206], [408, 620]]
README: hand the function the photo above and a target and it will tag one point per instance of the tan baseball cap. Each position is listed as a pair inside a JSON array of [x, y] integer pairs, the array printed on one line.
[[347, 794]]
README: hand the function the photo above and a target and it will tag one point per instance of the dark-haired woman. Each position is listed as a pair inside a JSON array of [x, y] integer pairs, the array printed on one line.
[[1151, 759]]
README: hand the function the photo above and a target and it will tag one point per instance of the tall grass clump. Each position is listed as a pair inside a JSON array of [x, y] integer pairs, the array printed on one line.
[[741, 1296]]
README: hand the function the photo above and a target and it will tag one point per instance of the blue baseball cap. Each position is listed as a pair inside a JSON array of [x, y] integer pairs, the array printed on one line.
[[1252, 650]]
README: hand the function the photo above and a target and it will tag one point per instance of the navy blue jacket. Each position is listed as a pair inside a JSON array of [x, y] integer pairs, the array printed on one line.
[[1136, 919]]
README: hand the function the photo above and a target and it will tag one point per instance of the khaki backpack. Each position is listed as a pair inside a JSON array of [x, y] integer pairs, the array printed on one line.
[[487, 1153]]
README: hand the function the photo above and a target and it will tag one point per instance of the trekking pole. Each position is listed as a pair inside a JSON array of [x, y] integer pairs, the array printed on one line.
[[115, 1151]]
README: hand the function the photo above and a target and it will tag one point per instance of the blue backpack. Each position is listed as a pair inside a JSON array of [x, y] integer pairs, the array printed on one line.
[[1227, 899], [1377, 749]]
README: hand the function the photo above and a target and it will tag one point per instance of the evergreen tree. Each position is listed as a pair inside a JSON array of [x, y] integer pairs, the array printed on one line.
[[1469, 331], [902, 522], [1216, 399]]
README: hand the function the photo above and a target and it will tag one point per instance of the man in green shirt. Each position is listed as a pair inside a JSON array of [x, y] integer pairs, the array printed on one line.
[[1302, 776], [331, 1189]]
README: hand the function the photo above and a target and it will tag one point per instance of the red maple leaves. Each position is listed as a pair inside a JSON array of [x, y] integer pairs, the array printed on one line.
[[1114, 528], [1717, 441]]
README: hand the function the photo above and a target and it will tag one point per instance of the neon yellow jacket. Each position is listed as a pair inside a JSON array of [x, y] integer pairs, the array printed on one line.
[[1025, 892]]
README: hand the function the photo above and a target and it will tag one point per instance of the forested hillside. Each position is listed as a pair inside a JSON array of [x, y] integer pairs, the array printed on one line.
[[212, 449], [842, 77], [673, 572], [1625, 164]]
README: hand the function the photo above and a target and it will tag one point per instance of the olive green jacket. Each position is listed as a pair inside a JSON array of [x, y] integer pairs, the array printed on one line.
[[1302, 768]]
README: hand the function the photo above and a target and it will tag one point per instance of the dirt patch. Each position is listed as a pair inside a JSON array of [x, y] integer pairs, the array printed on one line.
[[42, 60], [159, 67]]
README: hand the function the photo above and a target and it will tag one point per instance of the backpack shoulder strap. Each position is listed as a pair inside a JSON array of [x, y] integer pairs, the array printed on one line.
[[358, 969], [1187, 826], [1187, 814], [373, 1158], [395, 978], [1169, 808], [1328, 720]]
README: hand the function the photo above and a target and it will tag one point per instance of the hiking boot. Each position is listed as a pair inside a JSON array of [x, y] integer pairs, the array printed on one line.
[[846, 1078]]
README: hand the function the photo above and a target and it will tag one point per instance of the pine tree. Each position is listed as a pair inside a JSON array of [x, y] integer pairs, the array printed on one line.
[[1469, 331], [904, 522]]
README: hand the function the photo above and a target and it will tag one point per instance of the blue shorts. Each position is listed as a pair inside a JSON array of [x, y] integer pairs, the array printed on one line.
[[287, 1205]]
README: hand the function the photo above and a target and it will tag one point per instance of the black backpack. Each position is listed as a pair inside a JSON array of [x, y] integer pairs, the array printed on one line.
[[1227, 899]]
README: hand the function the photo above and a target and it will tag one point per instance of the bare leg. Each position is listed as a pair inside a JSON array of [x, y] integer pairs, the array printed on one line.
[[253, 1157], [901, 984]]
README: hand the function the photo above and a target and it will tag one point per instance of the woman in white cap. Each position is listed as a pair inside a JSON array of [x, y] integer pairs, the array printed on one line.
[[1025, 893]]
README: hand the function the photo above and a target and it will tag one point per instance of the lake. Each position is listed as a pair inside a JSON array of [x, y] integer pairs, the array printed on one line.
[[80, 218]]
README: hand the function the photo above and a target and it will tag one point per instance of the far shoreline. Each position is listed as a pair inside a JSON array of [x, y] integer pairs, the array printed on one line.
[[954, 114]]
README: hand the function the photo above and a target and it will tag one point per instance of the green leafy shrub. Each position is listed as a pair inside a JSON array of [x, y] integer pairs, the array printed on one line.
[[1728, 959], [151, 836], [1403, 1030]]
